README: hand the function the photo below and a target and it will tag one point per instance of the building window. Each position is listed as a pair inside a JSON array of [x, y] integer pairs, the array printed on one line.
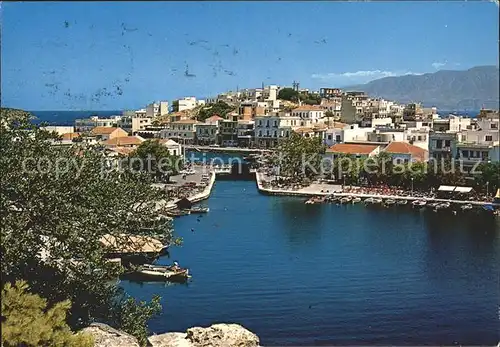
[[494, 126], [489, 138], [337, 138], [465, 154], [447, 143]]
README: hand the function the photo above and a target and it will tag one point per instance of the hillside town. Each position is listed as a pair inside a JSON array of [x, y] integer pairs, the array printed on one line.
[[347, 122]]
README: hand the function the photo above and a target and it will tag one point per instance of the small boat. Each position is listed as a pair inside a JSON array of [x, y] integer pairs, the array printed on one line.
[[149, 272], [373, 201], [419, 203], [402, 202], [178, 213], [466, 207], [345, 200], [389, 202], [432, 204], [356, 200], [442, 206], [199, 209]]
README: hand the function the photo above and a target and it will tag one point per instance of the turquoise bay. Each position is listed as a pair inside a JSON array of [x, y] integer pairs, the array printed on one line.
[[300, 274]]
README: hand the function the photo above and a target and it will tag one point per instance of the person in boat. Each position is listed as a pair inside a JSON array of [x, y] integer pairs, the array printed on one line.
[[176, 266]]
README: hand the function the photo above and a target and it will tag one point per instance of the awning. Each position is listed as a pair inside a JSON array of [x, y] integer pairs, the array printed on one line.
[[463, 189], [446, 188], [497, 196]]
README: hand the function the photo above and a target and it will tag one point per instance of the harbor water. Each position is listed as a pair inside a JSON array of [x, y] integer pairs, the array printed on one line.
[[300, 274]]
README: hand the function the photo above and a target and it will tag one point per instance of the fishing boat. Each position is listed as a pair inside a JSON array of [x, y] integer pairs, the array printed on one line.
[[419, 203], [199, 209], [316, 200], [466, 207], [432, 204], [345, 200], [149, 272], [402, 202], [356, 200], [373, 201], [389, 202], [442, 206], [177, 213]]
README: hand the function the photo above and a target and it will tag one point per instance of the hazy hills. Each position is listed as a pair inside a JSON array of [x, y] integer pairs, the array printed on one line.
[[446, 89]]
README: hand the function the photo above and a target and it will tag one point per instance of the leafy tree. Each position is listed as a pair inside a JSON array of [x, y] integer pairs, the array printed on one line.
[[27, 321], [219, 108], [489, 175], [56, 205], [155, 159], [133, 317], [311, 99], [329, 114], [289, 94], [299, 156]]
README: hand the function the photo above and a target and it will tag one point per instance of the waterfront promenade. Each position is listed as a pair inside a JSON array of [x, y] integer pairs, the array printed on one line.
[[225, 149], [314, 189], [321, 189]]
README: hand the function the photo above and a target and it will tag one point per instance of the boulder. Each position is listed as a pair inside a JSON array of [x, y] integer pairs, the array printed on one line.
[[106, 336], [217, 335]]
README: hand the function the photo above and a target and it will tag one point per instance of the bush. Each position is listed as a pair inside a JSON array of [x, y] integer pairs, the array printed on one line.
[[26, 320]]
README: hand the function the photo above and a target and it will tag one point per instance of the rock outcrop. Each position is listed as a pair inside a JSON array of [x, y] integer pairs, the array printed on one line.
[[217, 335], [106, 336]]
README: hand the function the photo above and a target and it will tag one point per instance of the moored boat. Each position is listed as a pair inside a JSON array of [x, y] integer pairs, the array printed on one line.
[[373, 201], [177, 213], [149, 272], [389, 202], [466, 207], [345, 200], [442, 206], [199, 209], [419, 203], [402, 202], [356, 200]]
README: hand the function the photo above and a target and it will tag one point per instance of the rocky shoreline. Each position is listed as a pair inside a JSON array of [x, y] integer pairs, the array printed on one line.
[[217, 335]]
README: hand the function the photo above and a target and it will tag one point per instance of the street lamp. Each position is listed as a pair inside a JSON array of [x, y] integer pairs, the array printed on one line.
[[412, 186], [487, 188]]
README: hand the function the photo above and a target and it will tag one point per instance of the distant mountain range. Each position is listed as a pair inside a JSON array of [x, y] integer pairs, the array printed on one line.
[[450, 90]]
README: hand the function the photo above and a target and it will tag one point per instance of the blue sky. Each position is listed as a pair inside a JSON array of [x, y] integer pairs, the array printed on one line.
[[120, 55]]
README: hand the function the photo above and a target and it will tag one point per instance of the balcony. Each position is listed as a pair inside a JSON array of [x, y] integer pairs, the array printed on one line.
[[441, 149]]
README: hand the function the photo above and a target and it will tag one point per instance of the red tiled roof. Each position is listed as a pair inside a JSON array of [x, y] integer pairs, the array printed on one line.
[[124, 141], [308, 108], [304, 130], [103, 130], [347, 148], [405, 148], [122, 150], [70, 136], [214, 118]]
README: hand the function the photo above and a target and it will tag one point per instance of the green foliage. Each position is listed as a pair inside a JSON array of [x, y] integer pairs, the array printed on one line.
[[54, 216], [219, 108], [133, 317], [27, 321], [299, 156], [155, 159], [489, 176], [311, 99], [289, 94]]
